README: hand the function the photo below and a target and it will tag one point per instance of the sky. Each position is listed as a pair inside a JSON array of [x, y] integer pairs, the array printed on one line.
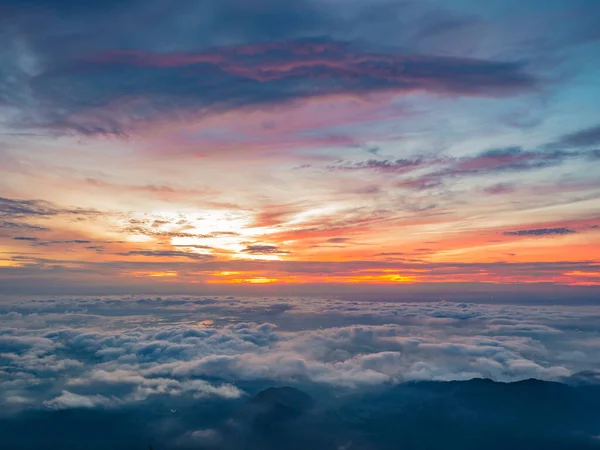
[[267, 224], [400, 149]]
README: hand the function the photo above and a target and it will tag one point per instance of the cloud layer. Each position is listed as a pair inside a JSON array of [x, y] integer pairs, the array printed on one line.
[[106, 352]]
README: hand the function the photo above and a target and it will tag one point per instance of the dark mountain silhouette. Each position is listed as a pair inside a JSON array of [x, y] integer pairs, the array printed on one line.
[[286, 397], [466, 415], [269, 409]]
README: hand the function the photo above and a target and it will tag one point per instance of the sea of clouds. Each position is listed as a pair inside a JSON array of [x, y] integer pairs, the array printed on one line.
[[62, 352]]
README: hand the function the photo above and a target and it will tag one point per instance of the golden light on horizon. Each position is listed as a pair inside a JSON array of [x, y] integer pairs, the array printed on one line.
[[252, 280], [165, 274]]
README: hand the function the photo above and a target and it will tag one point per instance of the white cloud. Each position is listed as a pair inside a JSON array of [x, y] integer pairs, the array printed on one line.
[[70, 400], [129, 349]]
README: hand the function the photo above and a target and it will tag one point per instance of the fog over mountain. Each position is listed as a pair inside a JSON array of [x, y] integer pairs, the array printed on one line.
[[473, 414], [271, 373]]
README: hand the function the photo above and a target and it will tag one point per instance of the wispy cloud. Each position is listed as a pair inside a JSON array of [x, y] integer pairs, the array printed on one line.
[[588, 137], [263, 249], [21, 226], [167, 254], [23, 209], [561, 231]]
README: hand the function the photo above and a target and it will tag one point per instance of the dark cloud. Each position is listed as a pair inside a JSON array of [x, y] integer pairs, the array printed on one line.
[[143, 228], [502, 160], [152, 232], [588, 137], [176, 84], [421, 183], [21, 226], [185, 58], [167, 254], [397, 166], [11, 208], [195, 58], [41, 243], [21, 209], [338, 240], [560, 231], [59, 242], [263, 249], [507, 159], [500, 188], [96, 248]]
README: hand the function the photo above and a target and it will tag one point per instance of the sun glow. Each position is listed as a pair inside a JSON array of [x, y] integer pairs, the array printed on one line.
[[392, 278], [8, 263], [163, 274], [167, 274], [253, 280]]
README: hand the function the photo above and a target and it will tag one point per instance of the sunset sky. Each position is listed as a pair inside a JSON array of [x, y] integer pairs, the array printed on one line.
[[408, 147], [299, 224]]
